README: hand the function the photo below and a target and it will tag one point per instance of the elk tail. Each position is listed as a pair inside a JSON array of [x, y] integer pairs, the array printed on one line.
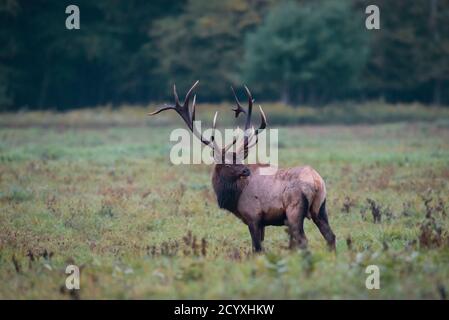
[[305, 206], [322, 214]]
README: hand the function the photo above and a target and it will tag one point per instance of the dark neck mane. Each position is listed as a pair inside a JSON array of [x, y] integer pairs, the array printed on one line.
[[228, 192]]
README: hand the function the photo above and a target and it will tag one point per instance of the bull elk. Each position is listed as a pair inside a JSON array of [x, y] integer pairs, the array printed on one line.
[[286, 197]]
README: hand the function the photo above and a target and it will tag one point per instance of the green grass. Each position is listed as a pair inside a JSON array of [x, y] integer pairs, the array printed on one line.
[[105, 197], [278, 114]]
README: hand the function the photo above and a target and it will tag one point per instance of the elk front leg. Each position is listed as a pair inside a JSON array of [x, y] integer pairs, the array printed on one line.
[[255, 229], [295, 216]]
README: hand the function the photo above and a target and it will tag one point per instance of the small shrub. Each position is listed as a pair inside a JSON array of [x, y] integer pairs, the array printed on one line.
[[375, 210], [347, 204], [431, 232], [106, 211], [275, 264], [307, 262], [16, 194], [191, 272], [406, 209], [349, 242]]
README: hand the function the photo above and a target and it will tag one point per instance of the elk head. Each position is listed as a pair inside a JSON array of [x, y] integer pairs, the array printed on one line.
[[229, 174]]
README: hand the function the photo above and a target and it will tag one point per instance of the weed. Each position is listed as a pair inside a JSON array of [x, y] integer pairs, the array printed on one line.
[[348, 203], [349, 242], [16, 194], [276, 265], [376, 210]]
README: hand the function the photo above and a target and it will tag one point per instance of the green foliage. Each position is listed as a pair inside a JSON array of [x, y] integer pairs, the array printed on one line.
[[109, 59], [302, 51], [277, 265], [308, 52], [409, 58], [16, 194], [206, 42]]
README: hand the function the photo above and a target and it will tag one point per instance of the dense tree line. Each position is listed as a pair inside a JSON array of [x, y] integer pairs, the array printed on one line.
[[299, 51]]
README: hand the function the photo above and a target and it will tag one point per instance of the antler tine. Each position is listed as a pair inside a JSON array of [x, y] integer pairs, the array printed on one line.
[[176, 96], [250, 108], [187, 98], [177, 107], [199, 135], [247, 138], [227, 147], [183, 110], [239, 109], [212, 137], [251, 142], [192, 114], [160, 110], [263, 120], [254, 133], [214, 123]]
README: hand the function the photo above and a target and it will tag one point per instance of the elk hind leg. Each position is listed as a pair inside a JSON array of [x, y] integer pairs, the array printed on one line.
[[295, 216], [321, 221]]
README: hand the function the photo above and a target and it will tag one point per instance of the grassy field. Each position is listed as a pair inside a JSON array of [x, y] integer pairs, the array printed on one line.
[[100, 192]]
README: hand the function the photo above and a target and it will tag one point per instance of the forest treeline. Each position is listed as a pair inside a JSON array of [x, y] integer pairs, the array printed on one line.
[[298, 52]]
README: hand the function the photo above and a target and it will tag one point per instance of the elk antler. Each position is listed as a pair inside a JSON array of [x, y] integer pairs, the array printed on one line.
[[189, 117], [239, 107], [254, 133], [183, 110]]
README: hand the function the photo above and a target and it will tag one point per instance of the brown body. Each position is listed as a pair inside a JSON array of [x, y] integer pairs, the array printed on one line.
[[284, 197], [277, 197]]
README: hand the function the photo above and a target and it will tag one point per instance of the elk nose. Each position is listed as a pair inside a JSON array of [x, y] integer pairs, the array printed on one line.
[[246, 172]]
